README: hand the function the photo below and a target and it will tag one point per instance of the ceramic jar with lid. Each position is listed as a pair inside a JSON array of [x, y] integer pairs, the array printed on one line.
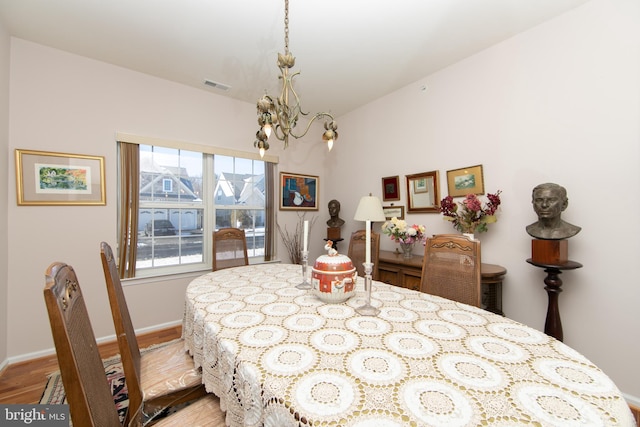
[[333, 278]]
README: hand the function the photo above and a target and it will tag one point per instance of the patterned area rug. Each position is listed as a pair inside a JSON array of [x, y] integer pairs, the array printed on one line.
[[54, 394]]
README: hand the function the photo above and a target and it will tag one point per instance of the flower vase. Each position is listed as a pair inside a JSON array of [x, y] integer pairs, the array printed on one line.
[[407, 249], [469, 235]]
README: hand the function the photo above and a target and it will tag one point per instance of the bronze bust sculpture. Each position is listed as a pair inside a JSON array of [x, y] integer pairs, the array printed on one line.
[[334, 212], [549, 200]]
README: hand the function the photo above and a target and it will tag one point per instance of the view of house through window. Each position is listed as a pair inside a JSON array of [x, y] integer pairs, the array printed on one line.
[[185, 195], [239, 198]]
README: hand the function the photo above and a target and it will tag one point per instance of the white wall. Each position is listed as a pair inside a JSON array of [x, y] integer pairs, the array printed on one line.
[[558, 103], [4, 159], [67, 103]]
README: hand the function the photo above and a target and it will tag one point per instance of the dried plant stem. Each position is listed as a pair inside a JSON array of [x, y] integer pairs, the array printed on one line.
[[293, 241]]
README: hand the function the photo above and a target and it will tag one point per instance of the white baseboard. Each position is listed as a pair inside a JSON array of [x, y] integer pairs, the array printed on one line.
[[50, 351], [632, 400]]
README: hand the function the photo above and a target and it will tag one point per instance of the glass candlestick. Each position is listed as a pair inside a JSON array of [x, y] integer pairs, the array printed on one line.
[[367, 309], [305, 281]]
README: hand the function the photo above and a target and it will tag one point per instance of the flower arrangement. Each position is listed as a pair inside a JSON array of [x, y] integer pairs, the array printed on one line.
[[400, 232], [470, 216]]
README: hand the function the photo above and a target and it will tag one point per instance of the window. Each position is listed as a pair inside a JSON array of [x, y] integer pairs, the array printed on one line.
[[171, 208], [182, 196], [239, 198], [167, 185]]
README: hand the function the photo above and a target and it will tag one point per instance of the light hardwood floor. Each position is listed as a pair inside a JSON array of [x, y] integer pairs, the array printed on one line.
[[24, 382]]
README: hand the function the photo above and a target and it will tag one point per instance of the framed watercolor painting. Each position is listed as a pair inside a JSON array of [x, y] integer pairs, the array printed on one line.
[[298, 192], [46, 178], [390, 188], [465, 181]]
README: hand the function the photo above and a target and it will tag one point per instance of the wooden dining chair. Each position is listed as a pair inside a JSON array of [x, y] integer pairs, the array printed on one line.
[[160, 377], [229, 248], [83, 376], [451, 268], [357, 251]]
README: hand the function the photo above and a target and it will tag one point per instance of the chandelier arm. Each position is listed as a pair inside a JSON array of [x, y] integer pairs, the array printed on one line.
[[313, 119], [295, 94], [278, 132], [284, 93]]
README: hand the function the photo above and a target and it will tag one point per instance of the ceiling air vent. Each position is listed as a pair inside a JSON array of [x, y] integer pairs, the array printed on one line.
[[217, 85]]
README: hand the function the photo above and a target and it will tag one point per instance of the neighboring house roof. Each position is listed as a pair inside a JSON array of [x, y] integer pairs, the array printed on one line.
[[182, 185], [237, 189], [245, 189]]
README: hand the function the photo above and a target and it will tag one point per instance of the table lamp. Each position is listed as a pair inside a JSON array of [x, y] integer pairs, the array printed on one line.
[[369, 209]]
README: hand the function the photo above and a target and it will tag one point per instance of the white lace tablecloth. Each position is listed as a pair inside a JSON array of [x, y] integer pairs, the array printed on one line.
[[277, 356]]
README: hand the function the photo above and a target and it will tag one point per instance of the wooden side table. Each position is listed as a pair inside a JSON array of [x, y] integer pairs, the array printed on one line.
[[553, 325], [394, 269]]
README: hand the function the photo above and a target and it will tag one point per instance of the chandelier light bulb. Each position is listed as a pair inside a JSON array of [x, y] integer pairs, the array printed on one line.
[[267, 130], [261, 152], [330, 144]]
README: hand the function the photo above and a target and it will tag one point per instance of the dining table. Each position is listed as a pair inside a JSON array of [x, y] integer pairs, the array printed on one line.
[[278, 356]]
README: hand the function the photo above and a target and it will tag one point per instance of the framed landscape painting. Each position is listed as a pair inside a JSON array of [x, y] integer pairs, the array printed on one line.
[[298, 192], [46, 178], [465, 181]]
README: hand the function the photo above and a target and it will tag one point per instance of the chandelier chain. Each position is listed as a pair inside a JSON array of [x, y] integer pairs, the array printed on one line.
[[286, 26]]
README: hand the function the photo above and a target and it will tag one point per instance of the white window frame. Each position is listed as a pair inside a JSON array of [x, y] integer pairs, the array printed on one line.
[[208, 199]]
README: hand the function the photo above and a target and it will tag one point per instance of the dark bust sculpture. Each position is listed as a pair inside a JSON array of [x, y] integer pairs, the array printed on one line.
[[549, 200], [334, 212]]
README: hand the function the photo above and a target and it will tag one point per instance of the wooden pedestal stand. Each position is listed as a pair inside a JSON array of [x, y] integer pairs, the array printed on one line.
[[553, 325], [333, 234]]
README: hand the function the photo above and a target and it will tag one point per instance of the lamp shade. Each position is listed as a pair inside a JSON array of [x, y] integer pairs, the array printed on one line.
[[369, 209]]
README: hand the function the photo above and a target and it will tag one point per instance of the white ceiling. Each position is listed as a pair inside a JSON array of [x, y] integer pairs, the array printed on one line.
[[349, 52]]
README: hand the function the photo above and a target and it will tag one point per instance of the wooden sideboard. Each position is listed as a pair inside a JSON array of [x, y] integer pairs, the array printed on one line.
[[396, 270]]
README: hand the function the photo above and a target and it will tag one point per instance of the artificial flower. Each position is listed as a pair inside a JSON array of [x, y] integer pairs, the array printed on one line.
[[469, 216]]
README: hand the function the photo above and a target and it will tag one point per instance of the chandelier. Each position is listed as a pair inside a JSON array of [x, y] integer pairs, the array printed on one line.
[[280, 116]]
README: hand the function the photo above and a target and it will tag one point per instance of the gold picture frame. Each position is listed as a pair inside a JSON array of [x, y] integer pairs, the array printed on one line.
[[393, 211], [465, 181], [299, 192], [52, 179]]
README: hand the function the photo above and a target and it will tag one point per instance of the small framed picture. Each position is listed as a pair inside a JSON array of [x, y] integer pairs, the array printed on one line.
[[465, 181], [393, 211], [46, 178], [298, 192], [390, 188], [420, 185]]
